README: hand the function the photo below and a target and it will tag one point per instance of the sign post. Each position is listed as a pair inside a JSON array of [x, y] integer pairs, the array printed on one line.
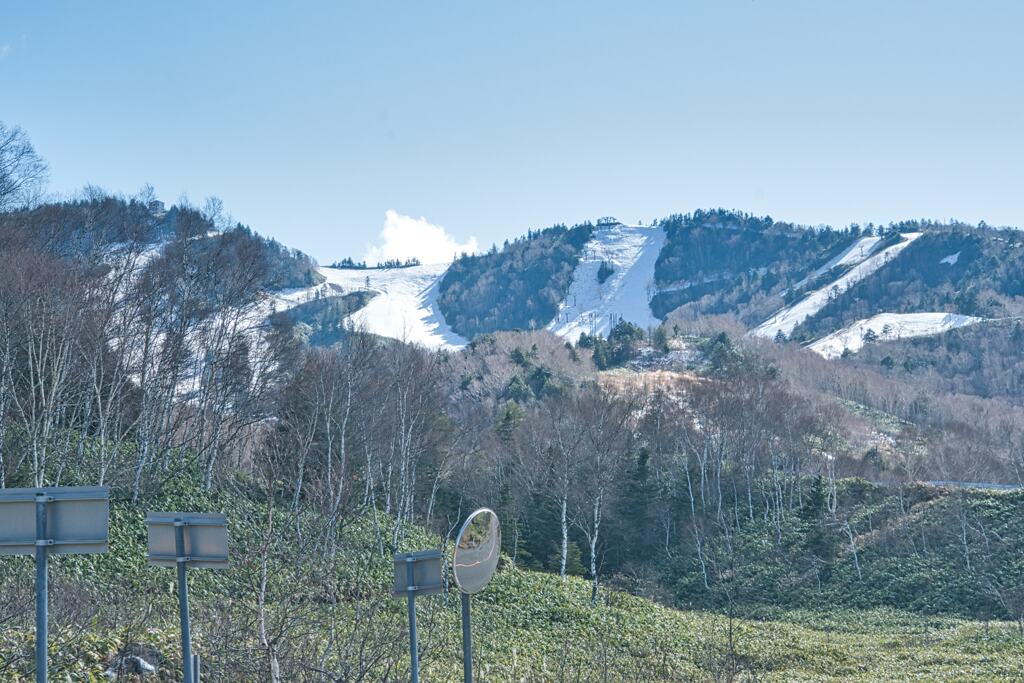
[[186, 629], [467, 640], [414, 650], [416, 574], [60, 520], [477, 550], [183, 540], [42, 589]]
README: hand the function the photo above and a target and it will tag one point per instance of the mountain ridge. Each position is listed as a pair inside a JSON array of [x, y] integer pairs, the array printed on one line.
[[780, 280], [708, 262]]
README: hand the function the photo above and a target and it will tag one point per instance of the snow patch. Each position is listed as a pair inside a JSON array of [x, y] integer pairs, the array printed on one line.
[[788, 318], [888, 327], [594, 308], [952, 258], [405, 305]]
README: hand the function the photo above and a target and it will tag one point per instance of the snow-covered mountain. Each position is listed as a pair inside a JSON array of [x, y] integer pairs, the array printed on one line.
[[829, 290], [613, 272], [405, 305], [856, 253], [405, 302]]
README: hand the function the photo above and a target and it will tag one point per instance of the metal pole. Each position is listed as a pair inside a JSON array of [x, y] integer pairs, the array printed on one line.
[[42, 588], [414, 655], [196, 668], [467, 642], [186, 635]]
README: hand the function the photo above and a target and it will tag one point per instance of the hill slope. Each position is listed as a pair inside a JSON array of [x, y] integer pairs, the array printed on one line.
[[859, 268], [613, 281]]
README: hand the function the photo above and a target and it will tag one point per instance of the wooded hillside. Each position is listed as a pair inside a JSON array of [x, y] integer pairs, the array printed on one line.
[[518, 287]]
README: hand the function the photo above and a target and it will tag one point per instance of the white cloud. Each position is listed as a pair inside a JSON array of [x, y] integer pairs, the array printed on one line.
[[405, 237], [4, 50]]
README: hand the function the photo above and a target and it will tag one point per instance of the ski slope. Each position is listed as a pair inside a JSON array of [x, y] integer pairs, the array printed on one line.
[[853, 254], [888, 327], [405, 305], [788, 318], [592, 307]]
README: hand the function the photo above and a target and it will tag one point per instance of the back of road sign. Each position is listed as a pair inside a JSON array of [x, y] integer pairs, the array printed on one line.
[[206, 539], [76, 520], [426, 569]]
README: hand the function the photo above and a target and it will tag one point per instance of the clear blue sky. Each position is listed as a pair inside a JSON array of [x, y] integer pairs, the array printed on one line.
[[311, 120]]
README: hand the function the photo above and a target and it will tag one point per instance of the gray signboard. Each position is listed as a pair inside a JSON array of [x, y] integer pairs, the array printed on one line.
[[206, 539], [52, 521], [426, 573], [76, 520]]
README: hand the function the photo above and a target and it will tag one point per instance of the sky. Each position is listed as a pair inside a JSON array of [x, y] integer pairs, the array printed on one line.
[[387, 129]]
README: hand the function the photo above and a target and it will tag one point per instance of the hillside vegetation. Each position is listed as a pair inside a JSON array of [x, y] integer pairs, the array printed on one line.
[[986, 360], [98, 225], [322, 321], [725, 261], [309, 606], [518, 287]]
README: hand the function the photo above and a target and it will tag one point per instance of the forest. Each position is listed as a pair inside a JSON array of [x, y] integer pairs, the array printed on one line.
[[722, 261], [983, 360], [518, 287]]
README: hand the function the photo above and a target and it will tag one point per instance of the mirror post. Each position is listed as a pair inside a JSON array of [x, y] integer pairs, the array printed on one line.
[[186, 635], [467, 641], [477, 551], [42, 588], [414, 655]]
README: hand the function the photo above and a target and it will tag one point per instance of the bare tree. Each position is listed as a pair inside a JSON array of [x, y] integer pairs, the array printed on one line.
[[550, 447], [46, 315], [607, 421], [22, 170]]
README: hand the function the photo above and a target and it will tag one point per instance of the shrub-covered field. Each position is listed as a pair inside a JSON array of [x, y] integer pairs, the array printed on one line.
[[331, 617]]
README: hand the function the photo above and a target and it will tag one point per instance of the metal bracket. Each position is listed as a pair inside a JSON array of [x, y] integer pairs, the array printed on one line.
[[189, 558]]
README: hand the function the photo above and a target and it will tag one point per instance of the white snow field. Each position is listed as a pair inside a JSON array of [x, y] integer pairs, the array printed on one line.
[[788, 318], [888, 327], [855, 253], [591, 306], [405, 305]]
